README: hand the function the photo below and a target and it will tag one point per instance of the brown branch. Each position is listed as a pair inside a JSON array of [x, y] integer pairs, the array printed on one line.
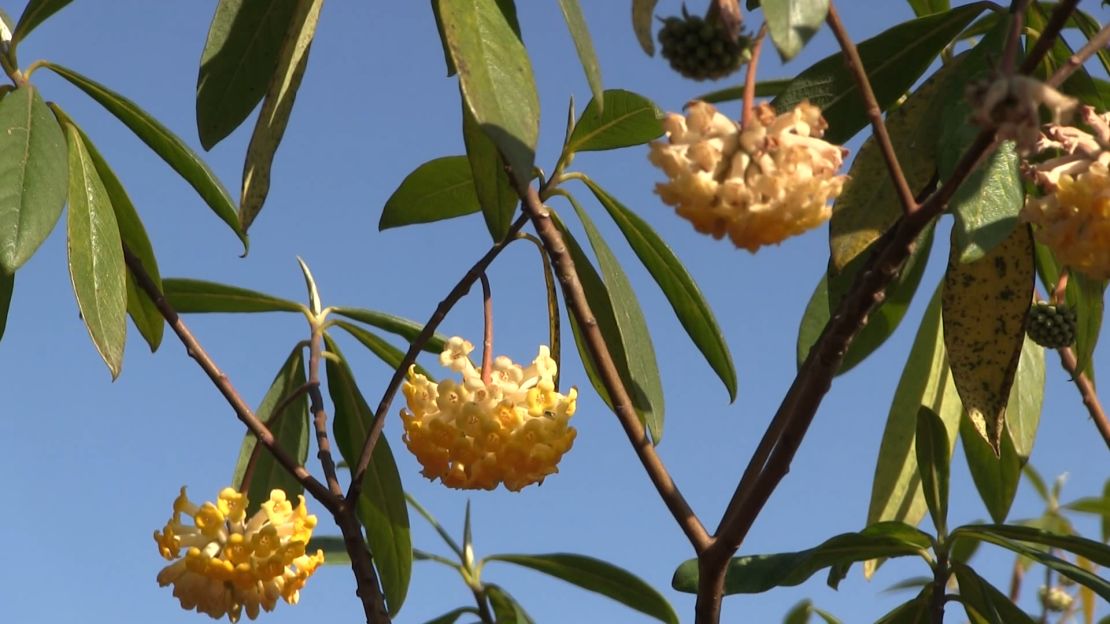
[[1087, 392], [461, 288], [366, 579], [874, 111], [1013, 38], [577, 305], [319, 414], [750, 79], [487, 329], [223, 384], [1075, 61], [1056, 21]]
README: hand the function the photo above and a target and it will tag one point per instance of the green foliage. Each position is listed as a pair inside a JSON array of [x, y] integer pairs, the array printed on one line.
[[983, 603], [598, 576], [996, 477], [619, 119], [792, 23], [914, 611], [199, 296], [506, 610], [922, 8], [642, 22], [35, 13], [802, 613], [442, 188], [452, 615], [402, 327], [284, 411], [492, 186], [584, 45], [96, 265], [33, 174], [391, 355], [163, 142], [7, 285], [933, 456]]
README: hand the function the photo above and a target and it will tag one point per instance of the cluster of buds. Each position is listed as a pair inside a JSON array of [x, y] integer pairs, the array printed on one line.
[[476, 434], [232, 563], [1072, 216], [760, 183]]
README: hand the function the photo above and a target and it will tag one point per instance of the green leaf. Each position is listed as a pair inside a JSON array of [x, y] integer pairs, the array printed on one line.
[[381, 507], [443, 534], [894, 59], [922, 8], [986, 206], [1085, 296], [576, 23], [290, 429], [996, 477], [792, 23], [682, 292], [631, 332], [198, 296], [400, 326], [933, 456], [496, 79], [600, 577], [492, 186], [915, 611], [240, 56], [7, 285], [506, 610], [643, 14], [33, 172], [984, 305], [96, 265], [1037, 481], [627, 119], [276, 108], [148, 320], [335, 551], [1003, 536], [439, 189], [35, 13], [763, 88], [452, 615], [758, 573], [1023, 411], [981, 599], [386, 352], [1097, 506], [896, 492], [166, 144]]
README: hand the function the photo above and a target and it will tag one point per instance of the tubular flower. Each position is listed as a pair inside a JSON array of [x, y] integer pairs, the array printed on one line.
[[232, 563], [1073, 215], [758, 184], [475, 434]]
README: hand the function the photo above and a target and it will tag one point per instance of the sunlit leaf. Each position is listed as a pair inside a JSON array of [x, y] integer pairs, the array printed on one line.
[[643, 14], [576, 23], [164, 143], [381, 507], [922, 8], [894, 60], [1023, 411], [984, 305], [1086, 296], [996, 476], [276, 108], [290, 429], [442, 188], [496, 78], [96, 265], [643, 383], [987, 204], [35, 13], [239, 58], [33, 174], [492, 187], [981, 599], [627, 119], [792, 23], [933, 455], [601, 577], [384, 351], [198, 296], [682, 293], [400, 326]]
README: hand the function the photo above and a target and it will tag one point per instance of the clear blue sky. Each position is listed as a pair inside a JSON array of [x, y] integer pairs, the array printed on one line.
[[94, 466]]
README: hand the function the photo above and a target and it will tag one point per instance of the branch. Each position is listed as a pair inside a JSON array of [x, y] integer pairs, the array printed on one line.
[[1087, 392], [460, 289], [319, 415], [1075, 61], [1052, 29], [874, 111], [223, 384], [607, 370]]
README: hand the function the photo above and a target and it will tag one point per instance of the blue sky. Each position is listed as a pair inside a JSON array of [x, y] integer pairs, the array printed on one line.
[[95, 465]]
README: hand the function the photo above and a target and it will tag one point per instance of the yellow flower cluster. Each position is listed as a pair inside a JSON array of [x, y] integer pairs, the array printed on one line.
[[1073, 215], [759, 184], [478, 434], [232, 563]]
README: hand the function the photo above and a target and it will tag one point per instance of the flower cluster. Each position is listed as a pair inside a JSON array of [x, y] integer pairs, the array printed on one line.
[[511, 428], [760, 183], [1073, 215], [232, 563]]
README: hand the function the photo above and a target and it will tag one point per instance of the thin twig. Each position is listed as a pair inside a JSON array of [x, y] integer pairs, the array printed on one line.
[[460, 289], [483, 605], [599, 353], [750, 79], [1086, 392], [1013, 38], [553, 330], [319, 414], [873, 110], [223, 384], [1075, 61], [487, 329], [1052, 28]]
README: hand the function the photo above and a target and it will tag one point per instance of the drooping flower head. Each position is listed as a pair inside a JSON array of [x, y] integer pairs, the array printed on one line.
[[471, 434], [224, 563], [759, 184], [1073, 215]]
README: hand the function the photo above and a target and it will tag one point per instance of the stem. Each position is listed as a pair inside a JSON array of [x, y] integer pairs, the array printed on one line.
[[1013, 38], [1052, 29], [940, 585], [319, 415], [483, 605], [599, 353], [1075, 61], [749, 80], [460, 289], [487, 330], [874, 111], [1087, 392], [366, 579], [1015, 580], [1060, 292], [553, 331]]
